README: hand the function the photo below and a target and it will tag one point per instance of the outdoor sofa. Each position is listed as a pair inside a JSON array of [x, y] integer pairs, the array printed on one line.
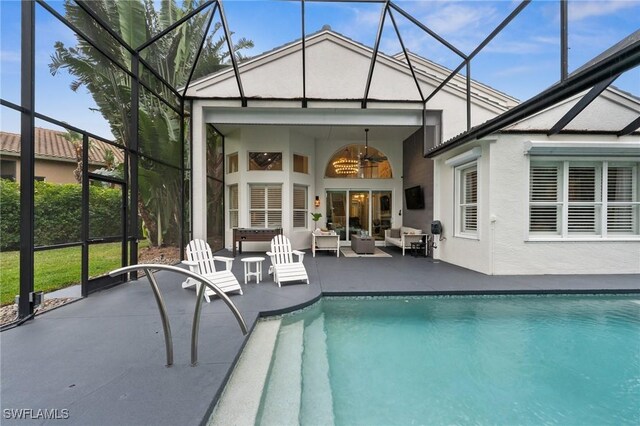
[[403, 237]]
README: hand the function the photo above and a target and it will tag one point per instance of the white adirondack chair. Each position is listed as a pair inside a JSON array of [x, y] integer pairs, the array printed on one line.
[[283, 267], [201, 261]]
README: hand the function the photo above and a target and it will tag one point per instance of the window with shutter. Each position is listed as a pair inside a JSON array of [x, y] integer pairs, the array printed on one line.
[[468, 199], [583, 200], [232, 163], [265, 210], [544, 199], [233, 206], [600, 199], [300, 210], [622, 205]]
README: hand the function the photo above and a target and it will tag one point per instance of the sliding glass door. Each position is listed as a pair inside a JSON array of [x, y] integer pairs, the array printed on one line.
[[351, 212]]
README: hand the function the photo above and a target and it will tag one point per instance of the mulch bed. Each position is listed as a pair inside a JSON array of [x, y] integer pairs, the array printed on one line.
[[9, 313]]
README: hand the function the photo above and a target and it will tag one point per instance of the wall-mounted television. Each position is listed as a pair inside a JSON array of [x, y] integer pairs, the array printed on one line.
[[414, 198]]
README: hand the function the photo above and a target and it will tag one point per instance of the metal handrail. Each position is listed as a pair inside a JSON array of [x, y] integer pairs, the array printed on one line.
[[196, 313]]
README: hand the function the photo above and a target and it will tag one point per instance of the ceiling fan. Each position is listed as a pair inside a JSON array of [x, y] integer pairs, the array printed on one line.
[[366, 158]]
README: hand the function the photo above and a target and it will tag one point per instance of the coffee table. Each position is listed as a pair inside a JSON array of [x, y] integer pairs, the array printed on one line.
[[363, 245]]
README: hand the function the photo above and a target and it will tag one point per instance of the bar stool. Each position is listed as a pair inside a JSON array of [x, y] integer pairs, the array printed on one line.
[[248, 273]]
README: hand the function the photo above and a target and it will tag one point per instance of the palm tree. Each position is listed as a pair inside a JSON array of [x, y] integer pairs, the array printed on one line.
[[172, 56], [75, 139]]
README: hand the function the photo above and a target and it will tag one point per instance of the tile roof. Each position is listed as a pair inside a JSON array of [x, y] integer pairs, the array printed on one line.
[[51, 144]]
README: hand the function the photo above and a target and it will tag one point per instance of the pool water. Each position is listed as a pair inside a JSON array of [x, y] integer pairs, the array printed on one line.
[[508, 360]]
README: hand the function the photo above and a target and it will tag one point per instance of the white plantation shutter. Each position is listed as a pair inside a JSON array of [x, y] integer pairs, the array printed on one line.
[[469, 200], [544, 194], [265, 209], [299, 206], [584, 194], [257, 201], [622, 214], [598, 198], [233, 206], [274, 206]]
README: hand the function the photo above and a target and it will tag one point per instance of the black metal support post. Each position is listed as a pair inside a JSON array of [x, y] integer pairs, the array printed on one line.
[[175, 25], [304, 57], [630, 128], [84, 273], [133, 161], [468, 95], [428, 31], [232, 55], [374, 56], [195, 62], [406, 54], [581, 105], [27, 157], [182, 180], [481, 46], [564, 40], [622, 60]]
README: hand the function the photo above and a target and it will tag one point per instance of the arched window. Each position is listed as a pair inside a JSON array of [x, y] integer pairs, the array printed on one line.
[[357, 161]]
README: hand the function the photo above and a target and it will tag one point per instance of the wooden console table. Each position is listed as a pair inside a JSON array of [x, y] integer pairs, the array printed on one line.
[[252, 234]]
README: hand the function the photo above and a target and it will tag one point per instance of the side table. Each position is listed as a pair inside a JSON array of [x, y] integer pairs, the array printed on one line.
[[418, 249], [248, 273]]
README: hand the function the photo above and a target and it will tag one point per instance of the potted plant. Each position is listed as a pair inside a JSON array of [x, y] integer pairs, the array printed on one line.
[[316, 217]]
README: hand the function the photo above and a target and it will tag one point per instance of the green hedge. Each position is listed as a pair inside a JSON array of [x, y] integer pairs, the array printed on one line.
[[58, 213]]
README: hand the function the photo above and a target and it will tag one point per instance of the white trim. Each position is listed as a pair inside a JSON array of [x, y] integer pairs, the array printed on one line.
[[458, 172], [583, 149], [591, 239], [466, 157]]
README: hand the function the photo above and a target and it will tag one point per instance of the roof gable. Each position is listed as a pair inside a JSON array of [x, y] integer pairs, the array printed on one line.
[[609, 112], [337, 68]]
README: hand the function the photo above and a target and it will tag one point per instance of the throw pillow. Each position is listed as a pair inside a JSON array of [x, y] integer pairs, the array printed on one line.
[[394, 233]]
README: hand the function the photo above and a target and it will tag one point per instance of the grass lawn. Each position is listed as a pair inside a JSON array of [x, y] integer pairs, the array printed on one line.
[[56, 269]]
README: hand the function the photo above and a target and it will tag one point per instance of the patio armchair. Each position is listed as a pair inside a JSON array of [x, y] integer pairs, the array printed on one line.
[[283, 266], [201, 261]]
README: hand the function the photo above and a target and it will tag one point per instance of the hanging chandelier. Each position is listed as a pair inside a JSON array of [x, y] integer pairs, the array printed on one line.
[[346, 165]]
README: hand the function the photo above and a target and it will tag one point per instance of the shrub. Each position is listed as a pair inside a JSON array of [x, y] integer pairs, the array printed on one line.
[[9, 215], [58, 213]]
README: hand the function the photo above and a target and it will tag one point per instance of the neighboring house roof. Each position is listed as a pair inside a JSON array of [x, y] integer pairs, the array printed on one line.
[[52, 145]]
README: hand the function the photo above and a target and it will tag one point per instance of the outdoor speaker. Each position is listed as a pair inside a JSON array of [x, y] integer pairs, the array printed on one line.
[[436, 227]]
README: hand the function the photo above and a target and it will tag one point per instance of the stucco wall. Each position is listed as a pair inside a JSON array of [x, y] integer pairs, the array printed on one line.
[[472, 253], [503, 247], [52, 171], [514, 254], [270, 139]]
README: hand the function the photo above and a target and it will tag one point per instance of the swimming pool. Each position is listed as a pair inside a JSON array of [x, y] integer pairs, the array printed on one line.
[[524, 360]]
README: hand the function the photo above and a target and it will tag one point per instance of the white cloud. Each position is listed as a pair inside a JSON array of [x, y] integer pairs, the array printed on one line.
[[579, 10], [10, 56], [518, 70]]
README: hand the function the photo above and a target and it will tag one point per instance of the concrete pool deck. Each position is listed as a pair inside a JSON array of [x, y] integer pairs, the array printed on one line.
[[102, 358]]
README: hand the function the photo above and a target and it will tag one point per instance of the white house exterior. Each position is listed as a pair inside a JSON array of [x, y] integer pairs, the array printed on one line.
[[274, 121], [562, 204]]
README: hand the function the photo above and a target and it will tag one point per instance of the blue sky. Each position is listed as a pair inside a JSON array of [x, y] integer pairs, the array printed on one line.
[[521, 61]]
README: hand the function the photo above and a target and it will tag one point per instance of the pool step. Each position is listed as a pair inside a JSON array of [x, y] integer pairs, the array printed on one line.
[[240, 400], [281, 405], [317, 401]]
